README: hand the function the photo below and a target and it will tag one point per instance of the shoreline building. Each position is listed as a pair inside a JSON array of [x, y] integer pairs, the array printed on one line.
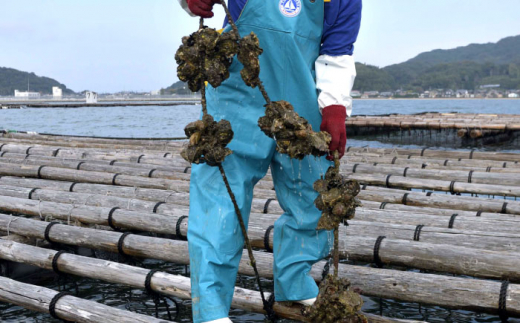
[[26, 94], [57, 93]]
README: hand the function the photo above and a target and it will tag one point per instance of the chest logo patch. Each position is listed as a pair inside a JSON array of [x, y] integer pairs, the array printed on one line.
[[290, 8]]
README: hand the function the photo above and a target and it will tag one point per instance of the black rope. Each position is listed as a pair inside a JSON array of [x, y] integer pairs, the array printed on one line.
[[120, 243], [56, 152], [71, 188], [113, 162], [139, 159], [452, 221], [178, 226], [479, 213], [114, 179], [405, 199], [505, 165], [40, 171], [488, 169], [111, 219], [31, 193], [409, 156], [364, 187], [452, 187], [383, 205], [79, 165], [471, 153], [268, 307], [394, 160], [377, 260], [504, 208], [417, 234], [429, 194], [422, 152], [3, 154], [2, 146], [166, 155], [151, 173], [186, 170], [348, 148], [27, 151], [266, 205], [405, 171], [48, 231], [446, 162], [354, 168], [375, 164], [424, 166], [148, 281], [267, 235], [502, 302], [388, 181], [156, 207], [470, 176], [52, 305], [55, 262]]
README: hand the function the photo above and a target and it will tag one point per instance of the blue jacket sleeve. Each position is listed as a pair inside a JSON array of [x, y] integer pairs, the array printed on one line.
[[341, 27]]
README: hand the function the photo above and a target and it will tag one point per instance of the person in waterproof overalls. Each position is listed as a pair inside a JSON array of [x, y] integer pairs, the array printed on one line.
[[307, 61]]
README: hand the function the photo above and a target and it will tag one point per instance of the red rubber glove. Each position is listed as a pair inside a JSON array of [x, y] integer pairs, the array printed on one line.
[[333, 122], [202, 8]]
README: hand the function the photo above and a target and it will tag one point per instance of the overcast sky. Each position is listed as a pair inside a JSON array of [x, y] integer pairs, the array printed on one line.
[[114, 45]]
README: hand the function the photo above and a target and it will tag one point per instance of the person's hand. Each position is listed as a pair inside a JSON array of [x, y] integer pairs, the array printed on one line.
[[333, 122], [202, 8]]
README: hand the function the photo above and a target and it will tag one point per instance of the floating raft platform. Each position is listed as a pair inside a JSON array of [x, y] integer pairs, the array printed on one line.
[[455, 129], [439, 227]]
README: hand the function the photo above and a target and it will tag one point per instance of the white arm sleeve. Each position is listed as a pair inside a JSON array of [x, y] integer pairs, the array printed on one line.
[[335, 77], [184, 6]]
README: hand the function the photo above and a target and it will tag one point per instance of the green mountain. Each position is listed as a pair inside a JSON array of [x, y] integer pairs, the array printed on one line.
[[483, 63], [11, 79], [178, 87]]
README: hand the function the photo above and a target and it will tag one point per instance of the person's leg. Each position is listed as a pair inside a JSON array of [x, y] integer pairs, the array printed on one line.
[[214, 235], [297, 243]]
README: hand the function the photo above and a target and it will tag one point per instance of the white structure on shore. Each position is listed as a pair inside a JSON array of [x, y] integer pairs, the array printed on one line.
[[27, 94], [57, 93], [91, 97]]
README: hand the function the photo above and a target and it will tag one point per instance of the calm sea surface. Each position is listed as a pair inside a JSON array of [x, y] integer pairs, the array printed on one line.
[[168, 122]]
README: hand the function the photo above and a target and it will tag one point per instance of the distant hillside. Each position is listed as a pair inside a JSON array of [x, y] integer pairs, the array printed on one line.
[[502, 53], [178, 87], [11, 79]]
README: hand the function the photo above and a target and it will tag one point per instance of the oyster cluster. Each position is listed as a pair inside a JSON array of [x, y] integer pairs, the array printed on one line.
[[336, 303], [208, 141], [337, 199], [293, 134], [206, 55], [248, 56]]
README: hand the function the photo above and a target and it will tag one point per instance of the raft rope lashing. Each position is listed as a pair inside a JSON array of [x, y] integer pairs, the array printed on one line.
[[383, 205], [157, 297], [388, 180], [120, 243], [156, 207], [502, 302], [446, 162], [28, 150], [79, 165], [471, 153], [151, 173], [504, 208], [52, 305], [40, 171], [470, 176], [405, 171], [2, 155], [267, 245], [266, 205], [405, 199], [178, 227], [47, 232], [488, 170], [56, 152], [417, 233], [479, 213], [113, 162], [424, 166], [139, 159], [505, 165], [114, 179], [354, 168], [2, 146], [71, 188], [111, 219], [422, 152], [429, 194], [31, 193], [364, 187], [452, 187], [166, 155], [452, 221], [377, 246], [394, 160], [186, 170]]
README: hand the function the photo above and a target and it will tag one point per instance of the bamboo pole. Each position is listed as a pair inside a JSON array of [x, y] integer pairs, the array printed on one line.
[[69, 307], [453, 292]]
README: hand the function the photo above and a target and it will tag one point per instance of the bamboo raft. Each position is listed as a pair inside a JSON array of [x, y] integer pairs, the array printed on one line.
[[456, 129], [440, 228]]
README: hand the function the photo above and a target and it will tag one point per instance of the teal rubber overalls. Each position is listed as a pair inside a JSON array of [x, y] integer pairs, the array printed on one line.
[[291, 38]]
